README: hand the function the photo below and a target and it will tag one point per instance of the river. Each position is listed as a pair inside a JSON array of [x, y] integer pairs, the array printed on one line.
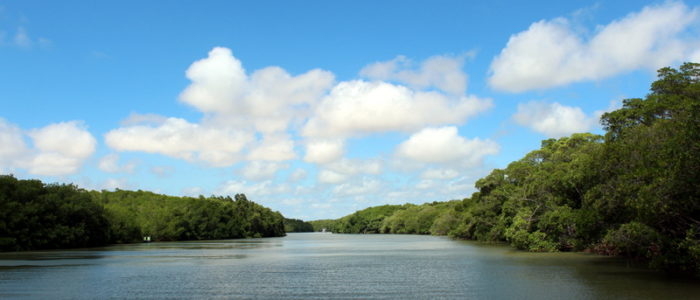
[[328, 266]]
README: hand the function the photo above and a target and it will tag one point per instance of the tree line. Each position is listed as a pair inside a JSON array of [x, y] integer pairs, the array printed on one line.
[[296, 225], [634, 192], [35, 215]]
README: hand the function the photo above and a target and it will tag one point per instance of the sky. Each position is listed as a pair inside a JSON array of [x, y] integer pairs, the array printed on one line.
[[316, 109]]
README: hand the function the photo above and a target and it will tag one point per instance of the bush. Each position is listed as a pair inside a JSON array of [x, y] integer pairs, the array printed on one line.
[[634, 240]]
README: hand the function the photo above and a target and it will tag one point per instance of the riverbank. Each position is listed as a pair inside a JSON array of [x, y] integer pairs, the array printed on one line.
[[35, 215]]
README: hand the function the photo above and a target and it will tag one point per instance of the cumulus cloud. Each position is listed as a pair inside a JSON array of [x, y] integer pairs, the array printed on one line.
[[443, 145], [12, 146], [292, 201], [553, 119], [217, 146], [354, 108], [61, 148], [58, 149], [66, 138], [331, 177], [426, 184], [256, 116], [269, 99], [440, 174], [115, 183], [236, 106], [324, 151], [193, 191], [257, 170], [140, 119], [346, 169], [252, 190], [552, 53], [364, 186], [442, 72], [355, 166], [273, 147], [110, 163]]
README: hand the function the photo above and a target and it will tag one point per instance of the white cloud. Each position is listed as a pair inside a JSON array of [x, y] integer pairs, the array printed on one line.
[[365, 186], [236, 106], [442, 72], [178, 138], [553, 119], [695, 57], [257, 116], [269, 98], [110, 163], [358, 107], [292, 201], [115, 183], [355, 166], [443, 145], [331, 177], [254, 190], [193, 191], [460, 187], [66, 138], [61, 148], [551, 53], [440, 174], [273, 147], [297, 175], [346, 169], [141, 119], [13, 149], [257, 170], [426, 184], [324, 151]]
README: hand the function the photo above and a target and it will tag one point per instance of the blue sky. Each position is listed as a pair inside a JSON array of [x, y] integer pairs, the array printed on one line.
[[316, 108]]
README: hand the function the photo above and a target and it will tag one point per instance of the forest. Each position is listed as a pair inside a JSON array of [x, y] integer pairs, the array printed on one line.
[[296, 225], [633, 192], [35, 215]]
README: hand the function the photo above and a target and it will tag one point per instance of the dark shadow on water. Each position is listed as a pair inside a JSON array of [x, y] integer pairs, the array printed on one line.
[[50, 255], [20, 267]]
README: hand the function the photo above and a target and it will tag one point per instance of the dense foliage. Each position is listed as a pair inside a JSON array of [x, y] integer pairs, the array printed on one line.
[[429, 218], [34, 215], [365, 221], [134, 214], [38, 216], [296, 225], [633, 192]]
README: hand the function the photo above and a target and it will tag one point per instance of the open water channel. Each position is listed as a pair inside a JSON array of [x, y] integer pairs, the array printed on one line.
[[328, 266]]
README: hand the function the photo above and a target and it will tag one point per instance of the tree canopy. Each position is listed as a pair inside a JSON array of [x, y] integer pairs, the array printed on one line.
[[34, 215], [634, 191]]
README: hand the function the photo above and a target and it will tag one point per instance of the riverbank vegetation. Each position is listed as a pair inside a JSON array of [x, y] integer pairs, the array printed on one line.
[[633, 192], [296, 225], [34, 215]]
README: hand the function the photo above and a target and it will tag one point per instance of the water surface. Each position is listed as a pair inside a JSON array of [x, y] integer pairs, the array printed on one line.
[[328, 266]]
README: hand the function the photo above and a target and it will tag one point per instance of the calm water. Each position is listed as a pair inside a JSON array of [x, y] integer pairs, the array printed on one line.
[[328, 266]]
